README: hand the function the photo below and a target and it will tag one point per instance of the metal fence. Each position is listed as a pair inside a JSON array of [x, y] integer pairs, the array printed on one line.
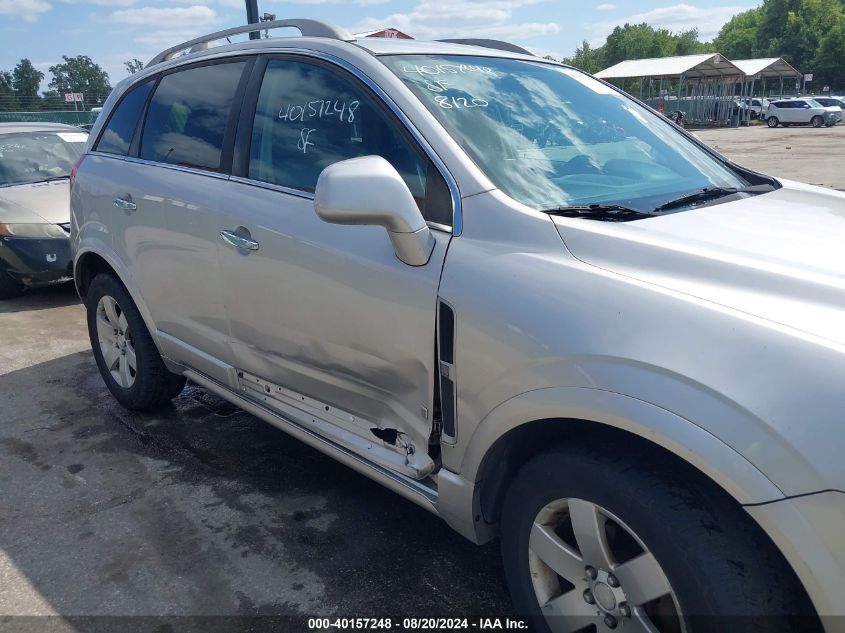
[[56, 116]]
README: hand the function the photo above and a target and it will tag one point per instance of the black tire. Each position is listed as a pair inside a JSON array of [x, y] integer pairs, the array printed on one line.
[[725, 573], [9, 288], [154, 385], [817, 121], [772, 121]]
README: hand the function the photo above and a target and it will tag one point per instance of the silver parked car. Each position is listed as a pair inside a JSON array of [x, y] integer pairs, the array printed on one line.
[[503, 289], [35, 164]]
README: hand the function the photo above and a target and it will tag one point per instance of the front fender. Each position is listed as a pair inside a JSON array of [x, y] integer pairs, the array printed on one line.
[[703, 450]]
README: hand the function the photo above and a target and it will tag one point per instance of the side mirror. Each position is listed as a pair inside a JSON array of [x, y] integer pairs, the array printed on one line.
[[368, 190]]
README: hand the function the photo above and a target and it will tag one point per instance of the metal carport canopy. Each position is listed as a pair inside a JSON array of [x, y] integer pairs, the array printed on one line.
[[688, 66], [766, 67]]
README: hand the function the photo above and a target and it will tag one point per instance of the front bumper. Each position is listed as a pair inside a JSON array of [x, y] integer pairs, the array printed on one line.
[[810, 532], [36, 261]]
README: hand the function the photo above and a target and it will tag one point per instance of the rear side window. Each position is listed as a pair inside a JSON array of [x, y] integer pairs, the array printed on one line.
[[117, 135], [309, 116], [189, 114]]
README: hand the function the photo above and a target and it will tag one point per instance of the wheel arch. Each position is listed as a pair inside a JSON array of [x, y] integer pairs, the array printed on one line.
[[87, 266], [89, 263], [574, 414]]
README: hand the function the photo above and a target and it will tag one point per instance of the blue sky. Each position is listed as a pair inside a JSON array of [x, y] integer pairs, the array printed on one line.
[[111, 31]]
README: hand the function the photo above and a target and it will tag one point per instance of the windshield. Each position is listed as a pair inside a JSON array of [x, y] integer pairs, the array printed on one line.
[[37, 156], [814, 104], [550, 136]]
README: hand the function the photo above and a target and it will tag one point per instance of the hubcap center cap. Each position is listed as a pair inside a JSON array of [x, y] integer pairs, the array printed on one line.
[[604, 596]]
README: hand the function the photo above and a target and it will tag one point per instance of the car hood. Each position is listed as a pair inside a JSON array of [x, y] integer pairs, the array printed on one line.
[[779, 256], [36, 202]]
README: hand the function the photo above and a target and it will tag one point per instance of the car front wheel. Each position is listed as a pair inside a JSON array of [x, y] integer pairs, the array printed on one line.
[[816, 121], [126, 355], [629, 544]]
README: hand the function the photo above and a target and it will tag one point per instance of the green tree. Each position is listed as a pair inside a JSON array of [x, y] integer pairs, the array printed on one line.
[[81, 74], [26, 80], [52, 100], [796, 29], [134, 65], [8, 102], [587, 58], [738, 38], [640, 41], [828, 61]]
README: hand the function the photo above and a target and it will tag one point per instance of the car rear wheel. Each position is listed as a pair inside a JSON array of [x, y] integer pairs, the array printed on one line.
[[126, 355], [772, 121], [9, 288], [591, 539], [817, 121]]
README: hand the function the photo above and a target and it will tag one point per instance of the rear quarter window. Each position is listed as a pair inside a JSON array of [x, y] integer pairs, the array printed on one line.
[[117, 135]]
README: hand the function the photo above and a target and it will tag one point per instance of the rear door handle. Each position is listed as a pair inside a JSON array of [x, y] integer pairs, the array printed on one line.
[[125, 203], [238, 241]]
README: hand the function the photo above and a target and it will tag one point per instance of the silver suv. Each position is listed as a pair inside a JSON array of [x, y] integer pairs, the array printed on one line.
[[505, 290]]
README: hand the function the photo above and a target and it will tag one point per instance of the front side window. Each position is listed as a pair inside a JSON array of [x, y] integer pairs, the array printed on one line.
[[550, 136], [189, 114], [117, 136], [309, 116], [38, 156]]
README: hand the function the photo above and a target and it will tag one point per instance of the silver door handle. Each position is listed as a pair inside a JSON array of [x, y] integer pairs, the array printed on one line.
[[238, 242], [125, 204]]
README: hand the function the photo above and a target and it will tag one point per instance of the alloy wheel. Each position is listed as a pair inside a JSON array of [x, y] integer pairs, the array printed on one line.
[[115, 341], [588, 568]]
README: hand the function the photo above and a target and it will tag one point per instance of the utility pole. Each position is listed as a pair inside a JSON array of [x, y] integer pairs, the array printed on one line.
[[252, 17]]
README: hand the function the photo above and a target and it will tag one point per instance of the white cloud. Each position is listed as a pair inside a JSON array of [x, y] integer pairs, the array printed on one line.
[[606, 7], [158, 40], [168, 17], [435, 19], [363, 3], [103, 3], [27, 10], [676, 18]]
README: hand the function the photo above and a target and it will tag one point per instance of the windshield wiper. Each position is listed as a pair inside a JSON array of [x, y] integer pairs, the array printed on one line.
[[709, 193], [608, 211]]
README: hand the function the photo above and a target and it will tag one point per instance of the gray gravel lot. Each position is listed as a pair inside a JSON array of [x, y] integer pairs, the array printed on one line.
[[198, 510], [806, 154], [204, 510]]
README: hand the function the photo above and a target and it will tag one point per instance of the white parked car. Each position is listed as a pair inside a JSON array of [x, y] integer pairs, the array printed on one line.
[[802, 112]]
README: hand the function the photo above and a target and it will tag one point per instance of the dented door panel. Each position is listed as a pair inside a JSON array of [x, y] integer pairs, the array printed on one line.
[[329, 313]]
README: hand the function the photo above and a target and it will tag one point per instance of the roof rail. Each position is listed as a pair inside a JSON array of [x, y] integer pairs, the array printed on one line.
[[308, 28], [499, 45]]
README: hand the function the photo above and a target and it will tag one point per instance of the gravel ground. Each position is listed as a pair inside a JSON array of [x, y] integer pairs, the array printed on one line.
[[806, 154]]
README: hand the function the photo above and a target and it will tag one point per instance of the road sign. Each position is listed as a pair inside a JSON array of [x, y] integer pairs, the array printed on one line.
[[808, 77], [77, 96], [69, 97], [826, 89]]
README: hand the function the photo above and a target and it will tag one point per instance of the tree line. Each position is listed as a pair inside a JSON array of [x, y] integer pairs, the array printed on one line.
[[20, 87], [809, 34]]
